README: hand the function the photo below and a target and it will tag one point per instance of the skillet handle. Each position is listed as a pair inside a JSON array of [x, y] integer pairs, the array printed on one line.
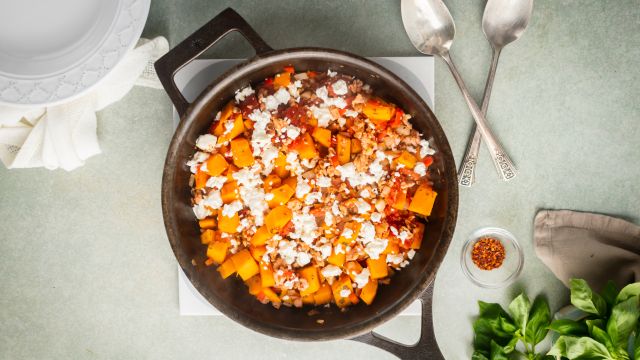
[[425, 349], [197, 43]]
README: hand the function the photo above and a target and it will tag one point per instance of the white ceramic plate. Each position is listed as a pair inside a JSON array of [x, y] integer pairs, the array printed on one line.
[[54, 50]]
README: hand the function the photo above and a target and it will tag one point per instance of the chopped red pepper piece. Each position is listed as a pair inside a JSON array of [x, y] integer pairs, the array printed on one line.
[[289, 69]]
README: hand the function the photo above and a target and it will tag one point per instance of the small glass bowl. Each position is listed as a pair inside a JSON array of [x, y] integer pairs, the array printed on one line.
[[501, 276]]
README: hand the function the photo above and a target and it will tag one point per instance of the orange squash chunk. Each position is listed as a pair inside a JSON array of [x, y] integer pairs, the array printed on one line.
[[355, 230], [423, 200], [343, 149], [337, 259], [343, 283], [201, 178], [244, 264], [261, 236], [323, 136], [378, 267], [400, 201], [406, 159], [281, 165], [241, 152], [226, 269], [257, 251], [207, 223], [323, 295], [228, 224], [416, 241], [236, 130], [254, 284], [281, 195], [207, 236], [224, 115], [271, 181], [291, 181], [392, 247], [304, 146], [229, 192], [268, 293], [368, 292], [277, 218], [266, 275], [310, 273], [352, 268], [282, 80], [217, 251], [378, 111], [216, 165], [356, 146]]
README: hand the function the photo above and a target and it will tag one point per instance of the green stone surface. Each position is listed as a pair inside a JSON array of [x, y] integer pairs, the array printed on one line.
[[87, 271]]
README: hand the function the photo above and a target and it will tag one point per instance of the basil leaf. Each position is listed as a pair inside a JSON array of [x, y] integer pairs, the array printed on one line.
[[478, 355], [594, 323], [539, 319], [492, 324], [636, 345], [519, 310], [603, 338], [628, 291], [568, 327], [609, 293], [497, 352], [585, 299], [579, 348], [623, 320]]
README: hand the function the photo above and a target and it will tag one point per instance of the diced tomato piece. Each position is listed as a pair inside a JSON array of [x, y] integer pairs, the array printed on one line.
[[289, 69]]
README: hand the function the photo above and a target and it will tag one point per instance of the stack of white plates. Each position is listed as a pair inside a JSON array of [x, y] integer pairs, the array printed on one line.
[[52, 51]]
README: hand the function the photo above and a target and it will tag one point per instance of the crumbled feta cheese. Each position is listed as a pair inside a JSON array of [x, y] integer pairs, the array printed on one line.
[[367, 232], [342, 121], [363, 278], [213, 200], [420, 169], [328, 218], [229, 210], [344, 293], [270, 102], [292, 132], [395, 258], [228, 126], [394, 231], [198, 158], [335, 209], [411, 253], [201, 211], [303, 259], [242, 94], [375, 247], [376, 217], [287, 251], [269, 196], [350, 113], [330, 270], [269, 154], [255, 198], [365, 193], [260, 138], [305, 226], [282, 96], [323, 181], [244, 223], [363, 206], [216, 182], [302, 188], [331, 73], [313, 198], [425, 150], [347, 233], [325, 251], [207, 142], [340, 87], [248, 176], [322, 114], [404, 235], [338, 249]]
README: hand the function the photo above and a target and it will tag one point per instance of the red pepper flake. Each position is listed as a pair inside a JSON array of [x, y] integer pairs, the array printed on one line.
[[488, 253]]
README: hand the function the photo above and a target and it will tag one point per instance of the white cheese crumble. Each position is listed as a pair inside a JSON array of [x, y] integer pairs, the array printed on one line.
[[347, 233], [231, 209], [365, 193], [198, 158], [323, 181], [335, 209], [376, 217], [216, 182], [395, 258], [394, 231], [303, 259], [304, 225], [340, 87], [201, 211], [248, 176], [331, 73], [260, 138], [367, 232], [375, 247], [363, 278], [302, 188], [344, 293], [269, 154], [323, 115], [287, 251], [330, 270], [404, 235], [325, 251], [420, 169], [282, 96], [411, 253], [350, 113], [363, 206], [328, 218], [425, 150], [292, 132], [270, 102], [242, 94], [207, 142], [255, 198]]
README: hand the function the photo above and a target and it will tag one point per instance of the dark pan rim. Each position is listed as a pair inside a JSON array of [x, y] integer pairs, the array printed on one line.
[[233, 75]]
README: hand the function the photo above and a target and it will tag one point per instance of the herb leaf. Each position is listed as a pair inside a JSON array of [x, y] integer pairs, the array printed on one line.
[[568, 327], [609, 293], [579, 348], [603, 338], [539, 319], [628, 291], [585, 299], [519, 310], [492, 324], [623, 320], [497, 352]]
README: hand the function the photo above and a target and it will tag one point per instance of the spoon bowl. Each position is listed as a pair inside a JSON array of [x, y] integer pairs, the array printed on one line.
[[429, 25], [504, 21]]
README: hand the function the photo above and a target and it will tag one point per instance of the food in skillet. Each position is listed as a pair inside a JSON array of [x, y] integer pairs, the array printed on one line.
[[311, 189]]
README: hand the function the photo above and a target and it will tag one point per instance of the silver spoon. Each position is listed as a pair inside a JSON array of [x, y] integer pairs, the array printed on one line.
[[431, 30], [503, 22]]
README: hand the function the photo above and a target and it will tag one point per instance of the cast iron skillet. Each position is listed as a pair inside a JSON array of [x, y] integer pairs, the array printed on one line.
[[230, 296]]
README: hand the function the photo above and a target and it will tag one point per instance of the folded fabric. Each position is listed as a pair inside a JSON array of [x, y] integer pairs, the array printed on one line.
[[588, 246], [64, 135]]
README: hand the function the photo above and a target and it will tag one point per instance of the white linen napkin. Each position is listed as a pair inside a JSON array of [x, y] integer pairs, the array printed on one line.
[[64, 136]]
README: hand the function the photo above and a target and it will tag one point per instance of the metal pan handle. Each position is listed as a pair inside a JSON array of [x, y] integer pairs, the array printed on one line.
[[425, 349], [191, 47]]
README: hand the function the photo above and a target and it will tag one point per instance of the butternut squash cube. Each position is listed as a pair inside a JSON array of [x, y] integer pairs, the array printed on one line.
[[392, 247], [378, 267], [266, 274], [226, 269], [343, 149], [323, 136], [216, 165], [323, 295], [353, 268], [277, 218], [271, 181], [225, 114], [308, 299], [368, 292], [400, 201], [241, 152], [236, 130], [337, 259], [201, 178], [261, 236], [416, 241], [423, 200], [342, 284], [207, 223], [244, 264], [254, 284], [406, 159], [217, 251], [228, 224], [281, 165], [291, 181], [257, 252], [229, 192], [351, 228], [268, 293], [281, 195], [356, 146], [378, 111], [310, 273], [282, 80], [230, 170], [304, 146], [207, 236]]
